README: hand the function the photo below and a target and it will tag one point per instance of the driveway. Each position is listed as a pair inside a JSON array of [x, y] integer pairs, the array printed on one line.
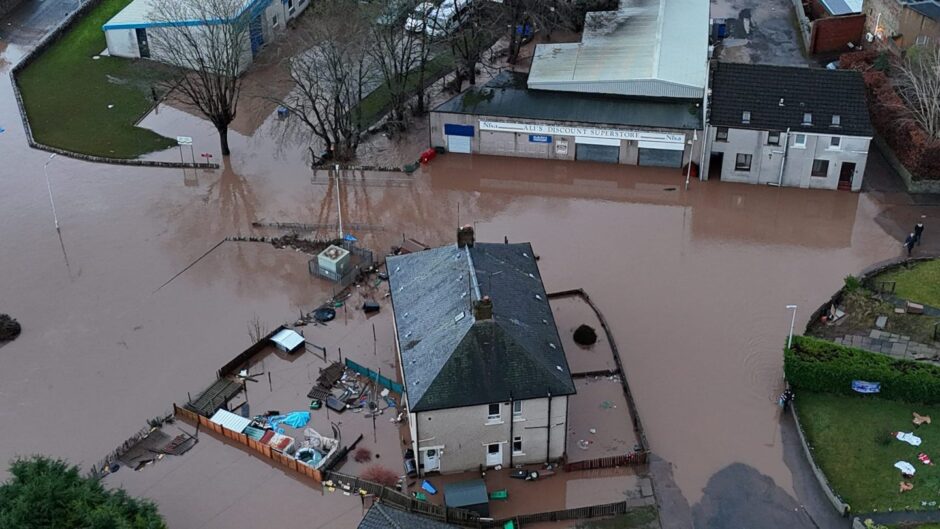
[[759, 32]]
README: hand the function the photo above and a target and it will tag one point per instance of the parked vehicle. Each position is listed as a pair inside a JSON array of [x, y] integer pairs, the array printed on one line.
[[446, 18], [417, 20]]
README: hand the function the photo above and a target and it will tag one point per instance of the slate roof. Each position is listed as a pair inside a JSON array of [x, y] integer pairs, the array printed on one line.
[[452, 360], [928, 8], [758, 89], [506, 95], [383, 517]]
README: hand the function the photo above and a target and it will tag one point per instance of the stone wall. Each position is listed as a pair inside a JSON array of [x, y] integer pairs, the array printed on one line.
[[47, 41]]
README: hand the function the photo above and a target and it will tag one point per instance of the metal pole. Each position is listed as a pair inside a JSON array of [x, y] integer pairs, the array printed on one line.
[[45, 171], [339, 202], [792, 323], [192, 153], [181, 153]]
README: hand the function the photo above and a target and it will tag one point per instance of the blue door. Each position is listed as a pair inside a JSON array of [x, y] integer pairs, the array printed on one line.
[[255, 35]]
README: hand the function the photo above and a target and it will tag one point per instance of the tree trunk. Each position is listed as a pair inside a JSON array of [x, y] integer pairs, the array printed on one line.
[[223, 139]]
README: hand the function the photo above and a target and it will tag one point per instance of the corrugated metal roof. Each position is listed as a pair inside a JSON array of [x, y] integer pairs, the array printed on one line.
[[288, 339], [842, 7], [230, 421], [654, 48]]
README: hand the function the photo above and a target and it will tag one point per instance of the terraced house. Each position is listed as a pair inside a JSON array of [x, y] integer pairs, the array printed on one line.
[[485, 375]]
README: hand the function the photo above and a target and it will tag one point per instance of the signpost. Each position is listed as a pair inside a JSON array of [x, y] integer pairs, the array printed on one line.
[[186, 140]]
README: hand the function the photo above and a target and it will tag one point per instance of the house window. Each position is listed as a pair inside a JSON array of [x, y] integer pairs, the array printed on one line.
[[836, 120], [517, 408], [799, 140], [290, 6], [773, 138], [721, 134], [820, 168], [745, 117], [922, 40], [835, 142], [742, 162], [492, 449], [493, 413], [274, 21], [807, 118], [517, 445]]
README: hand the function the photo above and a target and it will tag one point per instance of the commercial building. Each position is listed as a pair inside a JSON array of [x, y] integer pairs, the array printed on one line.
[[789, 126], [485, 375], [630, 92], [130, 32]]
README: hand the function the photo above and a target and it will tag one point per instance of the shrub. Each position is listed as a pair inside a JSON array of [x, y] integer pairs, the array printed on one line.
[[585, 335], [362, 454], [381, 475], [9, 328], [818, 365], [852, 283]]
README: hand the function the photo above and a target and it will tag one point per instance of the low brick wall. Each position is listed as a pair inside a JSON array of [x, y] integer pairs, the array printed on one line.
[[47, 41]]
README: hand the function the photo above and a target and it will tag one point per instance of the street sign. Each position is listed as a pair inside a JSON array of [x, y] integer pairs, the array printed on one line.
[[184, 140], [206, 155]]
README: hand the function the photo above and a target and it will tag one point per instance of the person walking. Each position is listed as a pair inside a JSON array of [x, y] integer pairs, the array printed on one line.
[[909, 243], [918, 231]]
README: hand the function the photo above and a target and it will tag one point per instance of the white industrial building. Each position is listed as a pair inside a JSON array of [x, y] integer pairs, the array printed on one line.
[[129, 33], [631, 92]]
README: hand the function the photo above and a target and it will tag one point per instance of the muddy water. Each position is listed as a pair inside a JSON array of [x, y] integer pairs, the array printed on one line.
[[693, 284]]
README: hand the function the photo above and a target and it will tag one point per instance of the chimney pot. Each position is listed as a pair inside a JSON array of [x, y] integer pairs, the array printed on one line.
[[465, 236], [483, 309]]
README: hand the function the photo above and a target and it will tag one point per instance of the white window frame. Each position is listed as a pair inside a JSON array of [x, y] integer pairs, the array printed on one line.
[[274, 21], [516, 409], [719, 130], [922, 40], [770, 134], [835, 146], [517, 439], [796, 140], [494, 418]]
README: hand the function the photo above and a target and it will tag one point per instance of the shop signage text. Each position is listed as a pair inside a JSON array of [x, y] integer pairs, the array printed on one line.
[[586, 132], [540, 138]]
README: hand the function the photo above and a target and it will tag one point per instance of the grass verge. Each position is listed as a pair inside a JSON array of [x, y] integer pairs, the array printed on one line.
[[67, 93], [638, 518], [378, 102], [850, 437], [919, 283]]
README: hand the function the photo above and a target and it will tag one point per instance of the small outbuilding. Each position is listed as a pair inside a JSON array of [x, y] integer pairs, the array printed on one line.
[[287, 340], [470, 494]]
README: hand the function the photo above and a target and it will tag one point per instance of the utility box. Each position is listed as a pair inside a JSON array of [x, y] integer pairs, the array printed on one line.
[[334, 261]]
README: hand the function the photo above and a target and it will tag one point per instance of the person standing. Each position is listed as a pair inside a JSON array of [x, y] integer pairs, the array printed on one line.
[[909, 243], [918, 231]]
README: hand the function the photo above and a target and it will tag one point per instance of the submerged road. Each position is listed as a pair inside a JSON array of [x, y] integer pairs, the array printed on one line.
[[694, 284]]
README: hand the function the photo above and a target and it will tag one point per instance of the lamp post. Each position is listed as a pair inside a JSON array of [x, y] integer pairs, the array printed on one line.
[[49, 186], [792, 323]]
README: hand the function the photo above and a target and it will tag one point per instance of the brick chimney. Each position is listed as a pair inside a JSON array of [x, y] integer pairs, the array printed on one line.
[[465, 236], [483, 309]]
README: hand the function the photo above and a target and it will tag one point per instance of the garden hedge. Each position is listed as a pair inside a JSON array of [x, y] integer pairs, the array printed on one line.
[[819, 365]]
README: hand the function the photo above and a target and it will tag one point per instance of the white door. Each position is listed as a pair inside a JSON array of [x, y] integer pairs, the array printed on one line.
[[494, 454], [458, 144]]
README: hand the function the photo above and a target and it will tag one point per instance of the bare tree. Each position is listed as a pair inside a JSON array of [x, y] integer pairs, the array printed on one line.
[[481, 21], [256, 329], [395, 53], [919, 85], [210, 40], [331, 76]]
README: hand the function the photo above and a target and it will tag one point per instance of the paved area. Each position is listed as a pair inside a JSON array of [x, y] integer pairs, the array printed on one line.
[[760, 32], [890, 344]]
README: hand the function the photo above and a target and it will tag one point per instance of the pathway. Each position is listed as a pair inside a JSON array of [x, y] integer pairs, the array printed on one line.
[[891, 344]]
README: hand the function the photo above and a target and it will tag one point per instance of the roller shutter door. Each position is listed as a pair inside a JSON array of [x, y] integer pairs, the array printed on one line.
[[660, 154], [459, 144], [597, 153]]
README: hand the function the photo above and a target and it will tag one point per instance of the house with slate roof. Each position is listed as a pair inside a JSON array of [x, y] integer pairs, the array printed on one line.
[[485, 374], [788, 126], [381, 516]]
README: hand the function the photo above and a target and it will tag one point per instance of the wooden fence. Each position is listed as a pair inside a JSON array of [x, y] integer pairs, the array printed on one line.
[[264, 450], [631, 459], [594, 511]]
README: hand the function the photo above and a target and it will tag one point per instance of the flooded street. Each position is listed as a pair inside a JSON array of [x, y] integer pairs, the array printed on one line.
[[693, 284]]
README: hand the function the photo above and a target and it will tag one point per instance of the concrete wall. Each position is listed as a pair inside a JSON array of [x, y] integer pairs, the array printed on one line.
[[122, 43], [835, 33], [629, 150], [766, 159], [462, 434]]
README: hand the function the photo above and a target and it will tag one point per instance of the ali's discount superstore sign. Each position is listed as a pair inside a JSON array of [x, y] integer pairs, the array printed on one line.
[[542, 133]]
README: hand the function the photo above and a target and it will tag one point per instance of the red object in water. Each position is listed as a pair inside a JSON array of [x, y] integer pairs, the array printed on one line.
[[428, 155]]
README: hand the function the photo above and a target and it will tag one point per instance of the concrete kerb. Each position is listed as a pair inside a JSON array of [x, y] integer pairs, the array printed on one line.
[[840, 506], [50, 37]]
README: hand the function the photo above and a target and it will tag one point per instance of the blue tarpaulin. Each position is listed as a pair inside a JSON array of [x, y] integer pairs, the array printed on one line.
[[860, 386], [294, 419]]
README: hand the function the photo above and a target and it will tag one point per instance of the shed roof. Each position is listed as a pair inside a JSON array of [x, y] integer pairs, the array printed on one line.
[[288, 339], [928, 8], [140, 14], [652, 48], [381, 516], [449, 358], [507, 96], [230, 421], [842, 7], [777, 97], [465, 493]]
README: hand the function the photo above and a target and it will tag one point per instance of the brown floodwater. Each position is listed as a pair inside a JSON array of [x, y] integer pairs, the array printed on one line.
[[693, 283]]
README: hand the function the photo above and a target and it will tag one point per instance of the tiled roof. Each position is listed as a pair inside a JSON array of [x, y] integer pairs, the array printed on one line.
[[760, 89], [449, 358], [383, 517], [928, 8]]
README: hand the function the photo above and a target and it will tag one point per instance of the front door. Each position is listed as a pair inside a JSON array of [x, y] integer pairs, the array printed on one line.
[[846, 174], [494, 454], [142, 45], [714, 165]]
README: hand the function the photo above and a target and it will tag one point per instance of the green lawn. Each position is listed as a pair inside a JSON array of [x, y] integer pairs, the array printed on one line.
[[851, 443], [919, 283], [67, 93], [378, 102], [638, 518], [916, 526]]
